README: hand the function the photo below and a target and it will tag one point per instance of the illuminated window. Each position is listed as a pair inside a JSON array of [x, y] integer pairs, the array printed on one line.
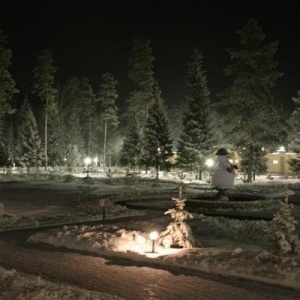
[[275, 161]]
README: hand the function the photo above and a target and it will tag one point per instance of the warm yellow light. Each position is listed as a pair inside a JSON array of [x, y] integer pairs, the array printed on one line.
[[153, 235], [87, 160]]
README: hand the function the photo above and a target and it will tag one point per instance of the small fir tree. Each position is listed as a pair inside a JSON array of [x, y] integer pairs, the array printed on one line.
[[281, 230], [73, 158], [178, 232]]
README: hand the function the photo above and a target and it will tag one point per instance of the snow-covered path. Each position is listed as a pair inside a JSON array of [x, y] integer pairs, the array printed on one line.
[[128, 279]]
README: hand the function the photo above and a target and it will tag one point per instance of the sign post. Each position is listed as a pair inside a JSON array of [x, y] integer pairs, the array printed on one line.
[[103, 203]]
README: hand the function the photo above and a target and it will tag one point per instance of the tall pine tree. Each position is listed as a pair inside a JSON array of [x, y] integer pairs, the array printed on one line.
[[7, 84], [256, 121], [157, 145], [294, 135], [197, 136], [109, 112], [7, 91], [44, 89], [71, 115], [141, 75]]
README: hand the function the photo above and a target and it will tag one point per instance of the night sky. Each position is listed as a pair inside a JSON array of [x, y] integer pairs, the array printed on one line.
[[90, 39]]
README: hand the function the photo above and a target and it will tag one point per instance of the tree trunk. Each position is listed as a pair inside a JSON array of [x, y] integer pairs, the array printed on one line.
[[250, 164], [46, 135], [104, 145]]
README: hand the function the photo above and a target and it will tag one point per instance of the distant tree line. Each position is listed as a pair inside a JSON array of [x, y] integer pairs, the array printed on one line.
[[58, 125]]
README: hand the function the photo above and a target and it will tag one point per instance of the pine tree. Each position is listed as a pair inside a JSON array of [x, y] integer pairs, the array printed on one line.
[[7, 91], [197, 135], [109, 112], [141, 75], [178, 232], [55, 149], [71, 115], [73, 158], [131, 149], [282, 230], [43, 88], [29, 145], [294, 135], [175, 115], [86, 102], [7, 84], [255, 119], [157, 144], [294, 121]]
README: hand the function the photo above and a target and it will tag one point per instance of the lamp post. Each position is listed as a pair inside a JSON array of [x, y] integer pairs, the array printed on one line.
[[87, 162], [153, 237], [209, 163], [157, 161]]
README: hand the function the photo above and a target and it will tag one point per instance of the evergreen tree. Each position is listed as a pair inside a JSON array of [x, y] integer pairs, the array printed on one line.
[[197, 135], [73, 158], [142, 76], [86, 103], [43, 88], [7, 84], [131, 148], [294, 121], [7, 91], [109, 112], [71, 115], [29, 145], [175, 115], [256, 121], [55, 149], [259, 161], [294, 135], [282, 230], [157, 148], [7, 143], [178, 232]]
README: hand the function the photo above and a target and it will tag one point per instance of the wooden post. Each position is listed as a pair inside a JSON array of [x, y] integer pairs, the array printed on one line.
[[102, 203]]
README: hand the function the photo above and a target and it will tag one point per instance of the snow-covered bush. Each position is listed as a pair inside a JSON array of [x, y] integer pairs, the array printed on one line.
[[281, 230]]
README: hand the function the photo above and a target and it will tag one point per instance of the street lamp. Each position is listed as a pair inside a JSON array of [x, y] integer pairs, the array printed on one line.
[[157, 161], [153, 237], [209, 163], [87, 162]]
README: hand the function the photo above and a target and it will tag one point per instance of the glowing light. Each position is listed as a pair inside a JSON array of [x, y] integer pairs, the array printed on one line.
[[87, 160], [140, 239], [209, 162], [153, 237]]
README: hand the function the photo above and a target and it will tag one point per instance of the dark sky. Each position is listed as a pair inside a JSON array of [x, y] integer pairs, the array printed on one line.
[[90, 39]]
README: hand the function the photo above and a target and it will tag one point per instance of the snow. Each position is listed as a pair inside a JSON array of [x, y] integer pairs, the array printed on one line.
[[235, 248]]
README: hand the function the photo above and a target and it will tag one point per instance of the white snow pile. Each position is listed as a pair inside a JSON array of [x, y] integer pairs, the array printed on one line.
[[231, 247], [26, 287]]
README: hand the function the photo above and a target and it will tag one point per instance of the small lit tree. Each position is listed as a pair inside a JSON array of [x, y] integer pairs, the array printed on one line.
[[178, 232], [281, 230]]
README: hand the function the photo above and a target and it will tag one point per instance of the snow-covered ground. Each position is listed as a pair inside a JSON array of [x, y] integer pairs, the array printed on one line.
[[224, 246]]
